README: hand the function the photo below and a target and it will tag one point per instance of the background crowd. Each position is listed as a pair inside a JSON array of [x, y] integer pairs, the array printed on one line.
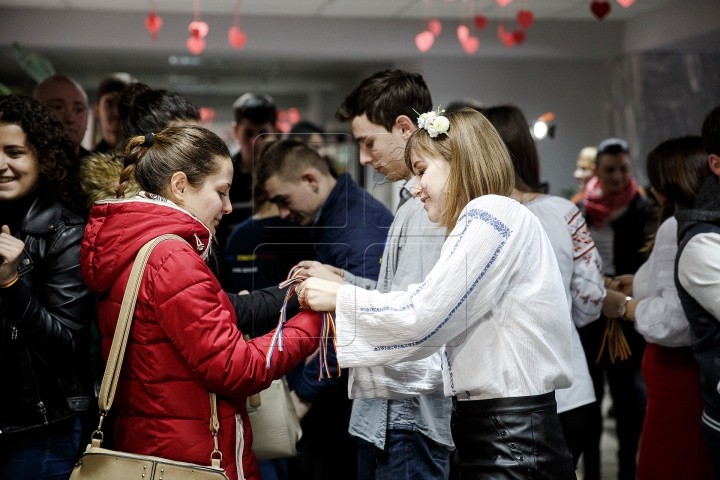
[[638, 277]]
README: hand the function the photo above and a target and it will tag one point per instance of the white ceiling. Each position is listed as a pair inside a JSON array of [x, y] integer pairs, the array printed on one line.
[[387, 9]]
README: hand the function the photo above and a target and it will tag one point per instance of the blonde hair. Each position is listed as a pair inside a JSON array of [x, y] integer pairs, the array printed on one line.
[[586, 158], [479, 160]]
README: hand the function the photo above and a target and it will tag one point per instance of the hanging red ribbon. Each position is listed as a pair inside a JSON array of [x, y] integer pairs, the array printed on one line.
[[198, 31], [236, 37], [153, 22]]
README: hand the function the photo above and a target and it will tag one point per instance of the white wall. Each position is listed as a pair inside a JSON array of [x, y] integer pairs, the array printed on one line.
[[572, 89]]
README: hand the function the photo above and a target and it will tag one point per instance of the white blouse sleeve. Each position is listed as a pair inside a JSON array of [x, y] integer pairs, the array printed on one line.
[[476, 263], [699, 271], [587, 284], [659, 318]]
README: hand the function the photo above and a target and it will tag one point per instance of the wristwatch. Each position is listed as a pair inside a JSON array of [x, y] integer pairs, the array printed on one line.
[[622, 308]]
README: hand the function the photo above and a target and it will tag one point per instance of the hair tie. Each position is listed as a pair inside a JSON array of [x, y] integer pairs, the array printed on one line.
[[149, 140]]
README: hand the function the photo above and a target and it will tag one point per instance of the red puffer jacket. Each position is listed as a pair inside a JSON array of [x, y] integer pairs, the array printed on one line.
[[183, 341]]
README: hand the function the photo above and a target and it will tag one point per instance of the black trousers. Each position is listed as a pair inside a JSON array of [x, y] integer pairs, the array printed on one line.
[[510, 438], [575, 428], [626, 390]]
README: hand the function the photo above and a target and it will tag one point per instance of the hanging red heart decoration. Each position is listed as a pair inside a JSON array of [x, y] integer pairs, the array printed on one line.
[[506, 37], [236, 37], [470, 45], [424, 40], [198, 29], [480, 21], [525, 18], [195, 44], [503, 3], [435, 27], [600, 8], [626, 3], [153, 23], [518, 36], [463, 33]]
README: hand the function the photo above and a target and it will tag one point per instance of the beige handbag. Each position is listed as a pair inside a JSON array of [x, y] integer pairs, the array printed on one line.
[[99, 463], [276, 428]]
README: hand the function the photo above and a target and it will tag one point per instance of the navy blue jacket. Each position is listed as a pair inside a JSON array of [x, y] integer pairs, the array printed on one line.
[[351, 232], [704, 217]]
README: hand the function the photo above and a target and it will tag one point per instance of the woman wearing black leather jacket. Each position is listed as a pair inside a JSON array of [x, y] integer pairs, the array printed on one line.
[[45, 308]]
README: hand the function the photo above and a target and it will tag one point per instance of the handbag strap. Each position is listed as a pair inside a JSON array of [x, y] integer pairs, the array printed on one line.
[[119, 343]]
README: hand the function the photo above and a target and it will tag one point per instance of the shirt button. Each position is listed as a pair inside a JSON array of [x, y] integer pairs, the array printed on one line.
[[503, 432], [26, 261], [512, 445]]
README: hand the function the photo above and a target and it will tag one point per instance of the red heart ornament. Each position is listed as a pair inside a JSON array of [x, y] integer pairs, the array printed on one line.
[[153, 23], [470, 45], [600, 8], [506, 37], [503, 3], [518, 37], [195, 44], [525, 18], [626, 3], [480, 21], [463, 33], [424, 40], [198, 29], [435, 27], [236, 37]]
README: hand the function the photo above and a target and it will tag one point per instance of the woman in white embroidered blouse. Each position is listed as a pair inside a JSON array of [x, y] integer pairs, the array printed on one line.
[[672, 444], [494, 305], [578, 259]]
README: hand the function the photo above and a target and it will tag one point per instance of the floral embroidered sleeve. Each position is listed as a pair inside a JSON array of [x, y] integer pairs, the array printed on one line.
[[588, 282]]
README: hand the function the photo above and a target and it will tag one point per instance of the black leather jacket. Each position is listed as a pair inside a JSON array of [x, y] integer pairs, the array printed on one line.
[[45, 324]]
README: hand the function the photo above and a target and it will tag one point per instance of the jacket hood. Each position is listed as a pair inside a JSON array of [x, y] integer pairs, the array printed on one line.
[[118, 229], [99, 174], [705, 210]]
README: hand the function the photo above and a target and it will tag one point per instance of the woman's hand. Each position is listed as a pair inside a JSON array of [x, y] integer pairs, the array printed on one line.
[[10, 252], [612, 302], [315, 269], [622, 283], [317, 294]]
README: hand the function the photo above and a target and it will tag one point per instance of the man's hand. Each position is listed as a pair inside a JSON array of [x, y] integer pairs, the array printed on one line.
[[10, 252], [315, 269]]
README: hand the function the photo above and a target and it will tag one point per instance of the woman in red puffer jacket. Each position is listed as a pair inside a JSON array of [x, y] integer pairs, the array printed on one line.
[[184, 340]]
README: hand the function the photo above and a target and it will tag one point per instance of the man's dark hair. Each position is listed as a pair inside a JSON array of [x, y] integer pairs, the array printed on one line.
[[304, 127], [611, 146], [145, 110], [711, 132], [386, 95], [115, 82], [256, 107], [287, 159]]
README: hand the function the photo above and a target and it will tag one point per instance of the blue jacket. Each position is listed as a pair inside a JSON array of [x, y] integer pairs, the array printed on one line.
[[351, 231]]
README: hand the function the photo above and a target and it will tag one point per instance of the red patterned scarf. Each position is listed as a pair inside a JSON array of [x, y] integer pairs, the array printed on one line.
[[599, 206]]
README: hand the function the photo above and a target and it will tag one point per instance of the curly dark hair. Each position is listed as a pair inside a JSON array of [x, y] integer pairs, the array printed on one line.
[[53, 149]]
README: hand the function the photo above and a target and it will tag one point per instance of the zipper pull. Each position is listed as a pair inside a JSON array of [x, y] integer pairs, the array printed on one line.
[[43, 410], [13, 335]]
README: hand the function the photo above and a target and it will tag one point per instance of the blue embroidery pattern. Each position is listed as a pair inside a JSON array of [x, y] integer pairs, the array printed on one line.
[[386, 309], [452, 382], [452, 312], [473, 214]]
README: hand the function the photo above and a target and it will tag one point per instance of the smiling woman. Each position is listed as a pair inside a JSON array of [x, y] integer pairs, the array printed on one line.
[[44, 305]]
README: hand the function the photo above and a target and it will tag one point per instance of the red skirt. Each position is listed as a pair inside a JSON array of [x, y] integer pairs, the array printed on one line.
[[672, 445]]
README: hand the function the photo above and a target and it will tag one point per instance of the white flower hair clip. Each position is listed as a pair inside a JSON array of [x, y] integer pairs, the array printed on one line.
[[434, 122]]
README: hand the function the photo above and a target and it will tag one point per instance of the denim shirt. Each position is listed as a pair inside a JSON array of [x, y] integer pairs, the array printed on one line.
[[412, 249]]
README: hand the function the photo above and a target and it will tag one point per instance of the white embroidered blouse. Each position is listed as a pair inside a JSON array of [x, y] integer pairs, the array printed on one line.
[[659, 316], [494, 304]]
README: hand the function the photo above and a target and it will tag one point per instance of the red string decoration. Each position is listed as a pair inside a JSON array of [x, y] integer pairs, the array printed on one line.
[[198, 31], [236, 37], [153, 22], [600, 8]]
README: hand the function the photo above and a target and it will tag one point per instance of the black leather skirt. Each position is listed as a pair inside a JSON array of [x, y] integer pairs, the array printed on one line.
[[510, 438]]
